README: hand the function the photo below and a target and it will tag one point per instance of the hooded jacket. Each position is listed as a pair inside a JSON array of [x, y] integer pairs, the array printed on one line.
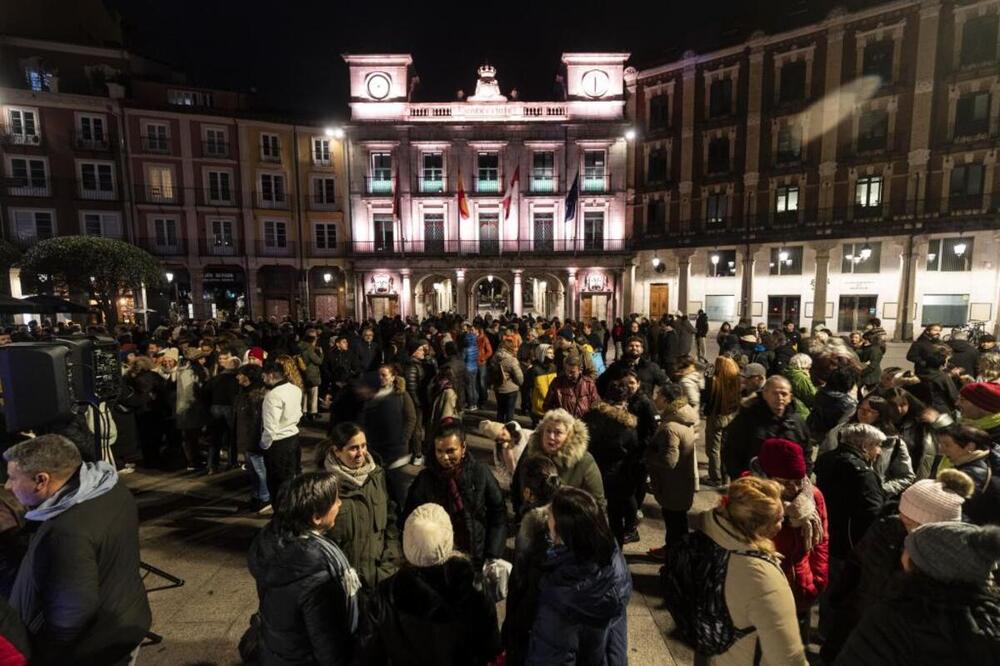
[[926, 622], [78, 589], [432, 616], [581, 615], [303, 602], [576, 465], [615, 447], [670, 460]]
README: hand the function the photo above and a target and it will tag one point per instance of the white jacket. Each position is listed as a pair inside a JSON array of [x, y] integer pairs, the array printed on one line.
[[282, 410]]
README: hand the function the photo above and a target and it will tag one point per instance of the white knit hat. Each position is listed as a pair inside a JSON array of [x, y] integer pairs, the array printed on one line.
[[927, 501], [428, 537]]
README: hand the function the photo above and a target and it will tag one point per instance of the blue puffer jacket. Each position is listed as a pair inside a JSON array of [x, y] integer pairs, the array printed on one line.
[[581, 612], [470, 353]]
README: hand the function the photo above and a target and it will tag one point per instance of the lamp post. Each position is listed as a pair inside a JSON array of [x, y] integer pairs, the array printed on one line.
[[170, 280]]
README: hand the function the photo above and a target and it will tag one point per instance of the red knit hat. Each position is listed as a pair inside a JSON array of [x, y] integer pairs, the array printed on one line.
[[984, 395], [782, 459]]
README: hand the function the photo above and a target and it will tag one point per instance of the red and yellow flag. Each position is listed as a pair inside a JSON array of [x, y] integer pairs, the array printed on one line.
[[463, 201]]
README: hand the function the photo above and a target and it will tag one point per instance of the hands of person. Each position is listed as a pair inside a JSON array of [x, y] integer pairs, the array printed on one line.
[[930, 415]]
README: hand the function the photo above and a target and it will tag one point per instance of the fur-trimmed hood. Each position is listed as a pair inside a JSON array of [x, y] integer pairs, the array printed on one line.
[[619, 414], [572, 451]]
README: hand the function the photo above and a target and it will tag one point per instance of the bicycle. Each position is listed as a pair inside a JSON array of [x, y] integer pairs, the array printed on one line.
[[974, 330]]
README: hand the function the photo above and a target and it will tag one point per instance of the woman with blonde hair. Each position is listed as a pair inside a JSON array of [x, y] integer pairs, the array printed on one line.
[[721, 408], [291, 370]]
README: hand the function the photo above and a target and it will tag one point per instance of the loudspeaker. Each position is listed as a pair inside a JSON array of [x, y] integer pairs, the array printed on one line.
[[94, 368], [35, 383]]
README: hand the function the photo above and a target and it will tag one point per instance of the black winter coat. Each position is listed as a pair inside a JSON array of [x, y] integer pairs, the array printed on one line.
[[754, 423], [649, 373], [984, 505], [78, 588], [854, 497], [928, 622], [303, 606], [685, 335], [964, 356], [937, 390], [829, 409], [920, 351], [432, 616], [483, 518], [701, 325], [615, 446]]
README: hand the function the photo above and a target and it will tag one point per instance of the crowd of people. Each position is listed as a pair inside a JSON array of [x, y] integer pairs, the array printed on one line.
[[871, 492]]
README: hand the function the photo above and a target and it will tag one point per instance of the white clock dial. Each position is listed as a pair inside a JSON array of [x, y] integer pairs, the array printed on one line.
[[596, 83], [378, 86]]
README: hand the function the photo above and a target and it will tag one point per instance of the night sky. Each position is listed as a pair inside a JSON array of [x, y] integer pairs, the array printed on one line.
[[290, 51]]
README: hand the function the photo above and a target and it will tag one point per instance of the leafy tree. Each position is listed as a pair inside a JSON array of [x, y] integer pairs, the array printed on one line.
[[102, 267]]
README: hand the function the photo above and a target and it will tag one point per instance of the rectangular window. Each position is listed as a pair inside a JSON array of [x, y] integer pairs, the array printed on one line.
[[659, 111], [22, 126], [786, 199], [861, 258], [102, 224], [91, 132], [270, 148], [272, 190], [979, 40], [945, 309], [33, 225], [593, 230], [157, 138], [165, 231], [216, 143], [793, 81], [718, 155], [326, 236], [380, 181], [487, 171], [189, 98], [722, 263], [786, 260], [715, 208], [950, 254], [221, 236], [868, 192], [383, 233], [28, 177], [489, 233], [965, 189], [432, 173], [595, 175], [220, 187], [720, 98], [160, 183], [873, 130], [656, 216], [656, 166], [433, 232], [543, 238], [877, 60], [789, 143], [972, 114], [38, 79], [543, 173], [97, 180], [321, 152], [324, 190], [275, 234], [720, 307]]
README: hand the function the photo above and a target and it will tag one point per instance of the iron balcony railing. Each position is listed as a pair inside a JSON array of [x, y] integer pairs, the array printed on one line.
[[439, 247], [276, 247], [215, 148], [90, 141], [220, 246], [155, 144], [164, 246]]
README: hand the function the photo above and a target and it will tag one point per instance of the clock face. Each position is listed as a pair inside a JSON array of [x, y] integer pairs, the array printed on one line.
[[378, 85], [596, 83]]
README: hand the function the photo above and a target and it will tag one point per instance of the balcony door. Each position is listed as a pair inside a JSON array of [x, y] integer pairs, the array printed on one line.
[[434, 232], [489, 233], [544, 226]]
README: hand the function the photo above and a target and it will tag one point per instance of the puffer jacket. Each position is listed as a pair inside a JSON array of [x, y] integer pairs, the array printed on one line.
[[754, 423], [581, 612], [512, 374], [808, 571], [313, 358], [803, 389], [853, 494], [615, 447], [670, 460], [693, 384], [757, 595], [576, 465], [390, 421], [926, 622]]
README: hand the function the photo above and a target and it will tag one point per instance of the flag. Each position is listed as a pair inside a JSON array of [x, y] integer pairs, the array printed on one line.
[[572, 197], [509, 196], [395, 200], [463, 201]]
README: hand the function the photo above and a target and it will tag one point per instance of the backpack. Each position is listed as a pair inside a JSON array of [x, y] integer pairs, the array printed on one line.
[[494, 371], [598, 360], [694, 582], [539, 391]]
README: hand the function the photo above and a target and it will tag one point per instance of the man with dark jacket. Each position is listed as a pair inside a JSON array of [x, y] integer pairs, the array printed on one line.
[[649, 373], [340, 366], [701, 333], [768, 414], [685, 334], [368, 351], [963, 355], [78, 589], [921, 349]]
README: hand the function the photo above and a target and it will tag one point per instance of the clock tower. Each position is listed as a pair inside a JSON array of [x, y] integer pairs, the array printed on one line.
[[380, 77], [595, 76]]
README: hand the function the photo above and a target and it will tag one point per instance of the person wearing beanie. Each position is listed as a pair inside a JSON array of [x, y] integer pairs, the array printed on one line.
[[877, 557], [255, 355], [943, 608], [979, 403], [803, 540], [430, 613]]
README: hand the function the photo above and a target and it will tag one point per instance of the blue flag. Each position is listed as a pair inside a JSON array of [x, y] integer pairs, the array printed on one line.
[[571, 198]]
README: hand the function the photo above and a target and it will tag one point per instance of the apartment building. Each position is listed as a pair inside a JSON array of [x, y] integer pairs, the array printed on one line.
[[840, 171]]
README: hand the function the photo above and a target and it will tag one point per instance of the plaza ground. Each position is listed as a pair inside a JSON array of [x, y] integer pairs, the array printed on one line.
[[193, 528]]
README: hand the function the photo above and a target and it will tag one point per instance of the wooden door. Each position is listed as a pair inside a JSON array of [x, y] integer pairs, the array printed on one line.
[[659, 300], [276, 307], [586, 308], [326, 306]]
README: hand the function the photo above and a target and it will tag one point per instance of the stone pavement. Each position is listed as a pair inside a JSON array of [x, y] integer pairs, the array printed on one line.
[[192, 527]]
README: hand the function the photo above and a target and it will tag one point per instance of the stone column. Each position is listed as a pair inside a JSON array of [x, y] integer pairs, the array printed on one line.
[[684, 269], [570, 309], [746, 283], [628, 289], [822, 275], [518, 300], [405, 295], [462, 302], [907, 289], [923, 103]]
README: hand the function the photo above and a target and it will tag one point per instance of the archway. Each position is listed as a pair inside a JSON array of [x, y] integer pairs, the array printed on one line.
[[490, 294], [543, 295], [434, 294], [326, 289]]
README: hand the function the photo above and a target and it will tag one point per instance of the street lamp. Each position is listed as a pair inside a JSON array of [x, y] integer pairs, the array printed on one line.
[[327, 277], [960, 248], [169, 276], [630, 134], [783, 255], [334, 132], [656, 262], [866, 252], [715, 260]]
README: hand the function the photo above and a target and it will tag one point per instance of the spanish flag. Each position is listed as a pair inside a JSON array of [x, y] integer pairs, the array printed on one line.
[[463, 201]]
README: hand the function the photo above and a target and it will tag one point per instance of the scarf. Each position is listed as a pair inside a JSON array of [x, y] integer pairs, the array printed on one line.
[[355, 477], [986, 423], [801, 514], [345, 574], [456, 508]]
